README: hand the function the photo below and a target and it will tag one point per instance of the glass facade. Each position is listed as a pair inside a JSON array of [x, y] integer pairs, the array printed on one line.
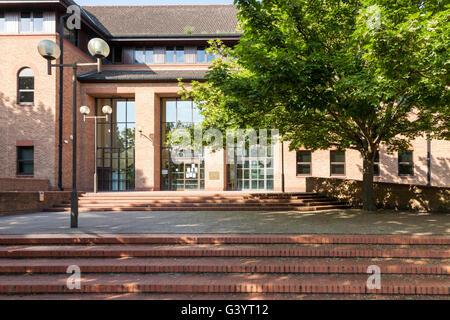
[[116, 145], [253, 170], [180, 169]]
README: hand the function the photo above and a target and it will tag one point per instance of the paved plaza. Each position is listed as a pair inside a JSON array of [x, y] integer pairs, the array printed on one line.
[[350, 221]]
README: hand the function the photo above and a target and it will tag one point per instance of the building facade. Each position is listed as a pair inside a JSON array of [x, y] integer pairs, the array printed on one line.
[[151, 48]]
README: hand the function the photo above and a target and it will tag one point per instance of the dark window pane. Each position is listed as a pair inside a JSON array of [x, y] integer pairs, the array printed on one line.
[[377, 156], [26, 153], [405, 169], [25, 168], [337, 156], [25, 160], [376, 170], [26, 83], [117, 55], [337, 169], [26, 97], [304, 156], [405, 157], [303, 169]]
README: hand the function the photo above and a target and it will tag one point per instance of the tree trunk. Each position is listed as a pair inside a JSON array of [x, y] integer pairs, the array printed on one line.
[[368, 196]]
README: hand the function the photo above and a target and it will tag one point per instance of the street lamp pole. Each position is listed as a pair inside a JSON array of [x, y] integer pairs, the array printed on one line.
[[49, 50]]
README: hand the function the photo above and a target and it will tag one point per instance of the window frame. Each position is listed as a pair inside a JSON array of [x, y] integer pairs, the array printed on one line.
[[2, 22], [407, 163], [303, 163], [32, 24], [376, 163], [18, 161], [19, 90], [338, 163]]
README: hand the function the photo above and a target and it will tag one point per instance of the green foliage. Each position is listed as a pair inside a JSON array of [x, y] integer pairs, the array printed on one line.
[[348, 74]]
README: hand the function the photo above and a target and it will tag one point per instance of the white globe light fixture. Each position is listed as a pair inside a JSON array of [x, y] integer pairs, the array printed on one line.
[[107, 109], [85, 110], [98, 48], [49, 50]]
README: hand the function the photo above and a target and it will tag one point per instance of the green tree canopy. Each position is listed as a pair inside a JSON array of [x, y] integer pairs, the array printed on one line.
[[328, 73]]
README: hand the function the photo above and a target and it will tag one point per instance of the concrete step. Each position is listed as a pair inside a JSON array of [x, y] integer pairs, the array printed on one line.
[[227, 265], [235, 250], [225, 283], [192, 239]]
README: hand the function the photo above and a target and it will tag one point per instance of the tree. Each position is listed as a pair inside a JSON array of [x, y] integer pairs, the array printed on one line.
[[348, 74]]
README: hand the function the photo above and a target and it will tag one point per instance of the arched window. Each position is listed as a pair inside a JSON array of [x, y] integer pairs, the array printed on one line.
[[26, 86]]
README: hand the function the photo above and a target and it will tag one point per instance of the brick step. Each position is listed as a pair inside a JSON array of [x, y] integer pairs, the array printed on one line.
[[205, 204], [225, 201], [202, 194], [198, 197], [274, 250], [61, 239], [226, 265], [226, 283], [218, 296], [215, 208]]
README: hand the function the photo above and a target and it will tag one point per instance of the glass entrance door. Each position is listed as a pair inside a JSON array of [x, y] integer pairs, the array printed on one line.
[[253, 171], [115, 146], [180, 169]]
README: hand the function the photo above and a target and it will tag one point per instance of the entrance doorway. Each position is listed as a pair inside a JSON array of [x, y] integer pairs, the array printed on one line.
[[253, 171], [116, 147], [180, 169]]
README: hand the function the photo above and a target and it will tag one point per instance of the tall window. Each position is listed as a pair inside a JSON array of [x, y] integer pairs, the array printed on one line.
[[25, 161], [143, 55], [31, 22], [180, 54], [116, 145], [303, 162], [201, 55], [170, 55], [376, 165], [337, 163], [70, 35], [2, 22], [405, 163], [26, 86]]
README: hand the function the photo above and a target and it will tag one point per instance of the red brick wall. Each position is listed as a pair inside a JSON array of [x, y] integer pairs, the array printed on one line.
[[23, 184], [12, 203]]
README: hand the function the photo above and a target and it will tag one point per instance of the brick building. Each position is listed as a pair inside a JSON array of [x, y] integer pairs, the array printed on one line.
[[151, 47]]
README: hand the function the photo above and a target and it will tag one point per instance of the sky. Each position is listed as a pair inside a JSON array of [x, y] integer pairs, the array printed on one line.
[[149, 2]]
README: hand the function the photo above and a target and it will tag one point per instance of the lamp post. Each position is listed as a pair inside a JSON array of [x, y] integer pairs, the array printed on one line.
[[50, 50], [107, 110]]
